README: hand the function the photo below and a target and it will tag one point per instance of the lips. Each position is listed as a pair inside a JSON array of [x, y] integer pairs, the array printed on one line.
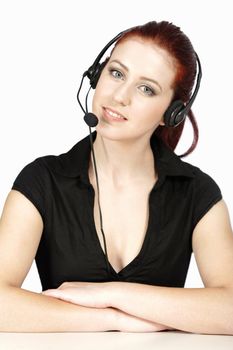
[[113, 113]]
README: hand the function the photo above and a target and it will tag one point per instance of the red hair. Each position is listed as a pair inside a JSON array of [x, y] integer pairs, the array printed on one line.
[[170, 38]]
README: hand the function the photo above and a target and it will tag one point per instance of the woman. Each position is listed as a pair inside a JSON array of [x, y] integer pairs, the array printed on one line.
[[156, 209]]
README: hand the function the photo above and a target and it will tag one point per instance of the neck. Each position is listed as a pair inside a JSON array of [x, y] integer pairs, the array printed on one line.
[[123, 162]]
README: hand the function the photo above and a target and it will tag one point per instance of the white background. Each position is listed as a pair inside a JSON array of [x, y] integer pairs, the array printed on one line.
[[47, 45]]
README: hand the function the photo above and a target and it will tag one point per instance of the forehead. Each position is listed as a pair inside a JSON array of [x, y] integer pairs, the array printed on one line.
[[144, 58]]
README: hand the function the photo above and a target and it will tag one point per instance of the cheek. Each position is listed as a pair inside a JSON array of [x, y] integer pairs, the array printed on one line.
[[151, 110], [160, 107]]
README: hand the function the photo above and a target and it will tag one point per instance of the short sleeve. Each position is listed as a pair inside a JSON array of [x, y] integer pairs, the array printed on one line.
[[207, 193], [31, 183]]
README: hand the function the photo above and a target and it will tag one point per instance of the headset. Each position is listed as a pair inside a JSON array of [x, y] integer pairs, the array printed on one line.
[[175, 113], [173, 116]]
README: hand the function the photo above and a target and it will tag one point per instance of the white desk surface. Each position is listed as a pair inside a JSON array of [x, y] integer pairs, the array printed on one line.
[[174, 340]]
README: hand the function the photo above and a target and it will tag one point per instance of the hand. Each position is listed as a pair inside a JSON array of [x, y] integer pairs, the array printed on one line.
[[97, 295], [89, 294]]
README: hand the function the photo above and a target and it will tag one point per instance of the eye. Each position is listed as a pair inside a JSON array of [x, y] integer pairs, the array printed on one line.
[[147, 90], [115, 73]]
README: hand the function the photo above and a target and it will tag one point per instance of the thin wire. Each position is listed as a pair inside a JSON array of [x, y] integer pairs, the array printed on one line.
[[100, 212], [79, 93]]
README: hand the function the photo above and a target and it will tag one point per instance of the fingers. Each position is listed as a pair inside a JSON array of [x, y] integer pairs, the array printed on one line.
[[52, 293]]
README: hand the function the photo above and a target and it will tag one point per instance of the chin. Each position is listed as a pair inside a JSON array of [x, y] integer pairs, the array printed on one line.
[[115, 134], [112, 133]]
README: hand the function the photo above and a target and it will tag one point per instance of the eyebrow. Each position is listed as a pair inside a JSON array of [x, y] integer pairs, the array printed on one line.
[[143, 78]]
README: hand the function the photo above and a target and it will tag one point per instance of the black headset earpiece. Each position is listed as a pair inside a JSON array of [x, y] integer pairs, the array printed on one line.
[[178, 110], [94, 73], [174, 114]]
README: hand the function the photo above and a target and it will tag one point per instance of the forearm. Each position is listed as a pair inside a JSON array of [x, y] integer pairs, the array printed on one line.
[[25, 311], [199, 310]]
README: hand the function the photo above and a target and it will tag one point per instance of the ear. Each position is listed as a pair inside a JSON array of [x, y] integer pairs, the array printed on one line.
[[161, 123]]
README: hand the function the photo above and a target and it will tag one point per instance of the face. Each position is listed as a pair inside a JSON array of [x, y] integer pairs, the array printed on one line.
[[134, 90]]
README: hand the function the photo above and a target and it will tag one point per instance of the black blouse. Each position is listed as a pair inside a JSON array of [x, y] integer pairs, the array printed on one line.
[[70, 249]]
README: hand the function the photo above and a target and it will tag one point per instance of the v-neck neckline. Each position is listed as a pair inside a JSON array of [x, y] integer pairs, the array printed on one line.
[[136, 260]]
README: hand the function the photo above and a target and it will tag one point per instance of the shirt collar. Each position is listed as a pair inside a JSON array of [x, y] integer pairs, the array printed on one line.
[[75, 162]]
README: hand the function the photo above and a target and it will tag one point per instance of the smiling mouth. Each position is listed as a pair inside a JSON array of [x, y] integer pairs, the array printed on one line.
[[113, 114]]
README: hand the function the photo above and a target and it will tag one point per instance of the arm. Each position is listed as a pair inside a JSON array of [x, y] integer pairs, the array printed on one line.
[[24, 311], [202, 310], [21, 227]]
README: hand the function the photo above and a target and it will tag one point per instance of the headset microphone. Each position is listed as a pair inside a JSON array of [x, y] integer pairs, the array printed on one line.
[[91, 119]]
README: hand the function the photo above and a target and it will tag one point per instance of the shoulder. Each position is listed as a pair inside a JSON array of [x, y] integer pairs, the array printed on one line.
[[36, 175], [37, 167], [170, 165], [205, 192], [201, 180], [69, 164]]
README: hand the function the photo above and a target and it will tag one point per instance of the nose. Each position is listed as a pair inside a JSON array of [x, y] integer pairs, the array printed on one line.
[[121, 95]]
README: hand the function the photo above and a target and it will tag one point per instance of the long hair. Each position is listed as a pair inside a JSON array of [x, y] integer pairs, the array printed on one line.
[[170, 38]]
